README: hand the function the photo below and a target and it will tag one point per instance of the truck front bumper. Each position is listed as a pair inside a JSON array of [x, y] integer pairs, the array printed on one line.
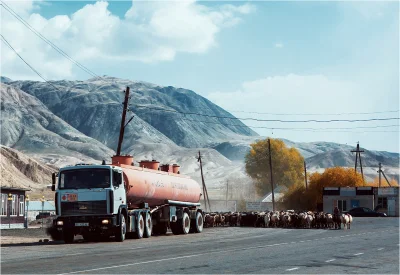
[[85, 223]]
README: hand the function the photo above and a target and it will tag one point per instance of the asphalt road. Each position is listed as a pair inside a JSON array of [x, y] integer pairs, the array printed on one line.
[[370, 246]]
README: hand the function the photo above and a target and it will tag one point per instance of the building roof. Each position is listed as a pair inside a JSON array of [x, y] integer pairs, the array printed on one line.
[[37, 206], [278, 194], [14, 188]]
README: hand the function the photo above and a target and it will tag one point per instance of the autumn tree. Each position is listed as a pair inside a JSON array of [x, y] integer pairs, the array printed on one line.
[[287, 165], [298, 197], [375, 182]]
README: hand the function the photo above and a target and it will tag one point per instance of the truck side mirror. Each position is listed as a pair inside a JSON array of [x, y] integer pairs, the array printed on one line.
[[53, 182]]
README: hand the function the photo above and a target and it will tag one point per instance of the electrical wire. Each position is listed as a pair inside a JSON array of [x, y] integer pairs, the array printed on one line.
[[314, 114], [269, 120], [33, 69], [60, 51]]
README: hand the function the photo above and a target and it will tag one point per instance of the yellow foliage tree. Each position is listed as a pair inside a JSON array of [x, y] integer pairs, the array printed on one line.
[[375, 182], [287, 165], [299, 198]]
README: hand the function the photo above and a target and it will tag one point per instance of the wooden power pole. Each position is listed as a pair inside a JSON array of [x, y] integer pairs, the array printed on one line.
[[358, 156], [305, 174], [272, 179], [205, 193], [123, 125]]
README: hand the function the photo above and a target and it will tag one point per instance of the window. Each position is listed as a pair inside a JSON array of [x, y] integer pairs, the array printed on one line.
[[14, 205], [4, 204], [382, 202], [21, 206], [342, 205]]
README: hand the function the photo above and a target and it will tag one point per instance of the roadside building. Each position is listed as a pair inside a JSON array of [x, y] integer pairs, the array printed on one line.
[[385, 199], [266, 202], [35, 208], [12, 207]]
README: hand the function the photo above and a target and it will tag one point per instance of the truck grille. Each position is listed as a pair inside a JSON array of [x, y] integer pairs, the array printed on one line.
[[84, 207]]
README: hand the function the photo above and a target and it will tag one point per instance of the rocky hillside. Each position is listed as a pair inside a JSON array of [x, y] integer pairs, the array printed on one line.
[[19, 170], [27, 125], [94, 108]]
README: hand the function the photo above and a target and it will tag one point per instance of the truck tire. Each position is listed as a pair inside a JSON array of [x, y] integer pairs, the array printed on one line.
[[175, 227], [198, 223], [68, 237], [185, 223], [139, 227], [148, 227], [121, 229]]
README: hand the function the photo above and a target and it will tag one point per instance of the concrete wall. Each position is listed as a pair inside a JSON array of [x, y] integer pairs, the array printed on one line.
[[363, 201], [12, 226]]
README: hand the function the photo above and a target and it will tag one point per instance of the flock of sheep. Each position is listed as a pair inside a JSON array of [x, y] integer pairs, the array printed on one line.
[[285, 219]]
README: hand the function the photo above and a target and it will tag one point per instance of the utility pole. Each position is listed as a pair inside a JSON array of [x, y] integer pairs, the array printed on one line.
[[358, 155], [206, 199], [381, 171], [272, 180], [305, 174], [227, 188], [123, 125]]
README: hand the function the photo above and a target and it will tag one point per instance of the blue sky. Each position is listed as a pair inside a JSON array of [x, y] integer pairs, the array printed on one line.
[[272, 57]]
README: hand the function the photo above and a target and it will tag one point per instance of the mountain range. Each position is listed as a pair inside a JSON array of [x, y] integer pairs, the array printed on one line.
[[65, 122]]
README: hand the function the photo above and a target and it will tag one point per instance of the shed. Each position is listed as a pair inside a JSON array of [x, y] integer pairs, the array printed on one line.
[[12, 207]]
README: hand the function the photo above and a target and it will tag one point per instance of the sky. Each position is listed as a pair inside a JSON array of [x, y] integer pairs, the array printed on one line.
[[289, 61]]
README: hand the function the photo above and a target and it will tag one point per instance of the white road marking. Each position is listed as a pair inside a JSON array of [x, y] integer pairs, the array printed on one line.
[[358, 254], [294, 268], [331, 260], [380, 248], [137, 247], [73, 254]]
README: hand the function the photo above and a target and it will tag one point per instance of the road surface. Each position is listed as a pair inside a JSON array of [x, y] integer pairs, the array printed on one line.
[[370, 246]]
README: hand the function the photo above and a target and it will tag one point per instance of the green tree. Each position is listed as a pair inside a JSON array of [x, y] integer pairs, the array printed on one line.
[[287, 165]]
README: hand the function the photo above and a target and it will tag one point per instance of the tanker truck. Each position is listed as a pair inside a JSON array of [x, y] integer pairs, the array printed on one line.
[[123, 200]]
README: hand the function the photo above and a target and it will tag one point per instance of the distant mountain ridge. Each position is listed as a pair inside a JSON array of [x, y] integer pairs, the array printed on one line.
[[99, 104]]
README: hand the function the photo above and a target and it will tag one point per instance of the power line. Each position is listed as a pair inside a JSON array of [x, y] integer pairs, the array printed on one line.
[[314, 114], [33, 69], [300, 129], [60, 51], [270, 120]]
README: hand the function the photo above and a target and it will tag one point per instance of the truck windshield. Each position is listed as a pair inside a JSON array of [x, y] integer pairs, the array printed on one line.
[[85, 178]]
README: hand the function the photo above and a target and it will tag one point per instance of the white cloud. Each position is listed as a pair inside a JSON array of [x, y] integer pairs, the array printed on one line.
[[278, 45], [149, 32]]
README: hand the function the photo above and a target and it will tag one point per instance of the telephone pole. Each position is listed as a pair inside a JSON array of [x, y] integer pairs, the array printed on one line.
[[381, 171], [305, 174], [123, 125], [358, 155], [227, 188], [272, 180], [206, 199]]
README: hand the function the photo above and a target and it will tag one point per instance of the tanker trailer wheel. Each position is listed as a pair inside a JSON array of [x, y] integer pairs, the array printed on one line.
[[198, 226], [185, 223], [148, 228], [139, 227], [120, 236]]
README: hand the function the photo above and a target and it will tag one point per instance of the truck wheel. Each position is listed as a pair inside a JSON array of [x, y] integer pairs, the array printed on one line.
[[185, 223], [68, 237], [139, 227], [175, 227], [148, 228], [163, 228], [198, 228], [120, 236]]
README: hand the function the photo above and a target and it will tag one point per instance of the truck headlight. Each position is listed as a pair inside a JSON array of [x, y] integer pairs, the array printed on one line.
[[105, 221], [60, 222]]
